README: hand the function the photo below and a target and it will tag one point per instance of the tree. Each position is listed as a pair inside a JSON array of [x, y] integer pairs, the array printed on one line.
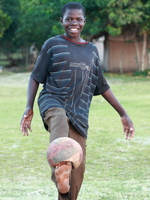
[[10, 8], [5, 22], [38, 22], [144, 30], [123, 16], [115, 17]]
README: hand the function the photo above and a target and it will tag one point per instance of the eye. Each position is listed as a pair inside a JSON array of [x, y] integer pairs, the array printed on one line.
[[68, 19], [80, 20]]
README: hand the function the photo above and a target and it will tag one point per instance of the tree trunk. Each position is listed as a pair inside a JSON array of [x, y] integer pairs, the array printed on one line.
[[143, 51], [105, 64], [27, 56], [137, 54], [121, 57], [148, 60]]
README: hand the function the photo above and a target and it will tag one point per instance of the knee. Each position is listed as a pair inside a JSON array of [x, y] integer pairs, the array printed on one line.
[[57, 122], [55, 115]]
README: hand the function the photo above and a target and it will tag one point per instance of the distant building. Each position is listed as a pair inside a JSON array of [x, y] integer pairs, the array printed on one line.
[[119, 54]]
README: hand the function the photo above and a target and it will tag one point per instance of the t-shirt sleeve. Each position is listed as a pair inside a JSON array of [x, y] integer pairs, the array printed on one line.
[[41, 66], [102, 85]]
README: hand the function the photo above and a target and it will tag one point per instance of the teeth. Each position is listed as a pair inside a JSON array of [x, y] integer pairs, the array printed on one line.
[[74, 29]]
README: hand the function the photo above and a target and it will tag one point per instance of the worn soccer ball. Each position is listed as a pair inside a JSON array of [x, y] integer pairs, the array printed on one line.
[[64, 149]]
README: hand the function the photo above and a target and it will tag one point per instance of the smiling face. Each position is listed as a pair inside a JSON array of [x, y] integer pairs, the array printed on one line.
[[73, 22]]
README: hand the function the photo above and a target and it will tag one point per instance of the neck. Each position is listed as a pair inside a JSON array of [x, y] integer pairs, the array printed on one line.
[[80, 40]]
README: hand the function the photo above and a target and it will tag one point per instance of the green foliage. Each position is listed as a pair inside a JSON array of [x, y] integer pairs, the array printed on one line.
[[144, 25], [12, 9], [124, 12], [5, 22], [145, 73], [35, 21], [113, 30]]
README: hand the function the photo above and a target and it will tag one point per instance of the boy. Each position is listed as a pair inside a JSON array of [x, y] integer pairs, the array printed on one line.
[[69, 69]]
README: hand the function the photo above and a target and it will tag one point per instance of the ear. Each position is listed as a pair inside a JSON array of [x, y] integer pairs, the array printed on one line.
[[85, 20], [61, 20]]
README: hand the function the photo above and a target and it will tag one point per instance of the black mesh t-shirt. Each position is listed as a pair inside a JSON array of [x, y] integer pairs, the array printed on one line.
[[71, 74]]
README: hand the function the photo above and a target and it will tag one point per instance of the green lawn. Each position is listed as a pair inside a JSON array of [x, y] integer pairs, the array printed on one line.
[[116, 169]]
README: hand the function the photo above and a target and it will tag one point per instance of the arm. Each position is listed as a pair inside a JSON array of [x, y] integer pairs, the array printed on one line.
[[128, 127], [25, 124]]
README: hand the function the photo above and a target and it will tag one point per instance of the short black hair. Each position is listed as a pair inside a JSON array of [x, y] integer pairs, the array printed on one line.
[[72, 5]]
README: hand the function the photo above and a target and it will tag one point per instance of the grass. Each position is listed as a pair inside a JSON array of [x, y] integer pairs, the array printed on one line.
[[116, 169]]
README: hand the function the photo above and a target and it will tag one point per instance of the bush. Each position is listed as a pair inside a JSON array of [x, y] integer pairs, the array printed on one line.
[[145, 73]]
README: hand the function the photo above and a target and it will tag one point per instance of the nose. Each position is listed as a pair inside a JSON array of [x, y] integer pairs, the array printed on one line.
[[74, 22]]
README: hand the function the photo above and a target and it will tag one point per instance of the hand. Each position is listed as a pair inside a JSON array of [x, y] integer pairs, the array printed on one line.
[[128, 127], [25, 124]]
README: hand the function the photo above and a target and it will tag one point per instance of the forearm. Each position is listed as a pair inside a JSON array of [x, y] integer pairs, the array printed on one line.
[[111, 99], [31, 93]]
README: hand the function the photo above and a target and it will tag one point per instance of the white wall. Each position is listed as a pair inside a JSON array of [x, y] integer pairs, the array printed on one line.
[[99, 43]]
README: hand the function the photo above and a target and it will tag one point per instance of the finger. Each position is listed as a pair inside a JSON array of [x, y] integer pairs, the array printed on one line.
[[24, 130], [124, 130], [131, 135], [131, 131], [21, 126], [24, 127], [29, 127], [24, 133], [126, 133]]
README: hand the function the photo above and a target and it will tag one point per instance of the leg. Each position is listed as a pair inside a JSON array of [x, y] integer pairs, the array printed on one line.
[[77, 175], [57, 122]]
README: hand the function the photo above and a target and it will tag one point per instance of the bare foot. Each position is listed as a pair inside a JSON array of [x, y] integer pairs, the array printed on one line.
[[62, 173]]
